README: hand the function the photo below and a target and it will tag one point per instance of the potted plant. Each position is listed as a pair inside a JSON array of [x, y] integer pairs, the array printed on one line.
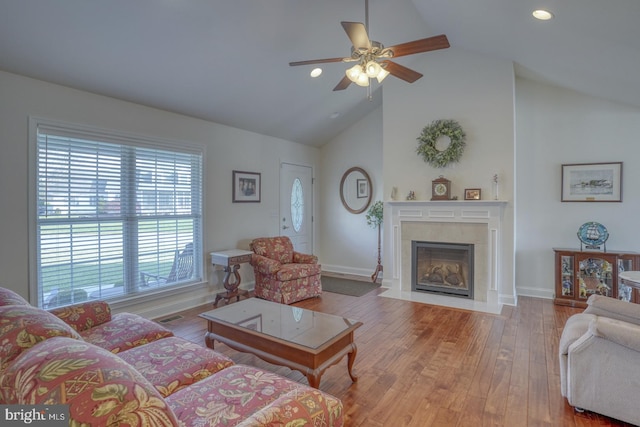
[[374, 219]]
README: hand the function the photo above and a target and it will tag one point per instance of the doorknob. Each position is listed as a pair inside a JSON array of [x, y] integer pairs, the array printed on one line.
[[284, 227]]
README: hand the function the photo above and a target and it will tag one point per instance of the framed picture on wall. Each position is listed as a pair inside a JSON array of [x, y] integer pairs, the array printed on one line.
[[592, 182], [246, 187], [362, 190]]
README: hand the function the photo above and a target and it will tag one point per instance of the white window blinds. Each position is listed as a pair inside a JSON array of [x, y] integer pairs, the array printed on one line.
[[117, 215]]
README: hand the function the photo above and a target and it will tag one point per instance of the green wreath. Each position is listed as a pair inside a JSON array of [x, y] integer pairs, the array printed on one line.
[[430, 134]]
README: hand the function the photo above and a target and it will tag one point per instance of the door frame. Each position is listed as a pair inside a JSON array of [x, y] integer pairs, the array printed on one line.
[[311, 199]]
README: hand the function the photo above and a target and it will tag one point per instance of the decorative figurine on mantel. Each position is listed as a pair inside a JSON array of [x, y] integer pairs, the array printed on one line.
[[411, 195], [494, 185], [593, 234]]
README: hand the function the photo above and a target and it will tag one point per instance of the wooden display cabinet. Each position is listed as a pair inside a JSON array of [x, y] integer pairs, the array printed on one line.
[[580, 274]]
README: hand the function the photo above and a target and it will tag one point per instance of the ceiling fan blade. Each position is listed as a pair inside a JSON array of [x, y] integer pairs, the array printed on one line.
[[357, 34], [344, 83], [401, 72], [316, 61], [418, 46]]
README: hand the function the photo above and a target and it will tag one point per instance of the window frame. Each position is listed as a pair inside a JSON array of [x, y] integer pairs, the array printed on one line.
[[117, 137]]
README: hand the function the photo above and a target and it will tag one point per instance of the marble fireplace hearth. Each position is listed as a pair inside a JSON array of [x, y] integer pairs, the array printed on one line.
[[477, 223]]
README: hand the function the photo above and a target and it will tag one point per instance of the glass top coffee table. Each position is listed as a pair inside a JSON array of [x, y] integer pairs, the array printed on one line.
[[300, 339]]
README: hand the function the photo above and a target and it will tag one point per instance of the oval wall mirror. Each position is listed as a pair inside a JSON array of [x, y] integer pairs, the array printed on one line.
[[355, 190]]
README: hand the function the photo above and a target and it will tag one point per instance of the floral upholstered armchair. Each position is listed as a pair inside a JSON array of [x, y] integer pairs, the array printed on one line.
[[282, 274]]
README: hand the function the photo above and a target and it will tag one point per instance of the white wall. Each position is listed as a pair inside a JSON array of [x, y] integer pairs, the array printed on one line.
[[476, 91], [557, 126], [346, 243], [227, 224]]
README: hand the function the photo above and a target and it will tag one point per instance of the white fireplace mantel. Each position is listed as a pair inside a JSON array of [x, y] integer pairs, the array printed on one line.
[[443, 214]]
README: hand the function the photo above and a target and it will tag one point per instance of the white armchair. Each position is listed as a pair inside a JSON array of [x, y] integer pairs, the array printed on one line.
[[600, 359]]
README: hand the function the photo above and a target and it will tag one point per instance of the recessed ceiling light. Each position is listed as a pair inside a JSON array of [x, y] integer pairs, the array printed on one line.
[[316, 72], [543, 15]]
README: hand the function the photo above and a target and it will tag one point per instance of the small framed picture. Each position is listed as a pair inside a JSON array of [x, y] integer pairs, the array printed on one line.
[[592, 182], [246, 187], [472, 194], [362, 189]]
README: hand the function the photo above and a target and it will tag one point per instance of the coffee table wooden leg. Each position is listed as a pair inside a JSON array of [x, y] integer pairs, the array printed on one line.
[[208, 339], [351, 358], [314, 379]]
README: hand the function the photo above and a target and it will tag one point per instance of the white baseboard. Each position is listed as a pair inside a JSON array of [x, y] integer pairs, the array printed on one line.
[[163, 305], [507, 300], [535, 292], [340, 269]]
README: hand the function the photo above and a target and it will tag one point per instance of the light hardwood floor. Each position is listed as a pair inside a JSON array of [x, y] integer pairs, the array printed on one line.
[[424, 365]]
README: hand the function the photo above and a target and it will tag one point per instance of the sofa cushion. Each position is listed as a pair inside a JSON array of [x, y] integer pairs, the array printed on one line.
[[297, 271], [238, 392], [600, 305], [295, 408], [100, 388], [23, 326], [278, 248], [125, 331], [171, 364], [8, 297], [85, 315]]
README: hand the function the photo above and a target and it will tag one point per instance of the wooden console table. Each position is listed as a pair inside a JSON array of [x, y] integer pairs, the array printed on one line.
[[230, 260]]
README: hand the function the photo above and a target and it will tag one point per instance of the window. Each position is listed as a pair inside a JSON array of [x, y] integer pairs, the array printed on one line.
[[297, 205], [116, 215]]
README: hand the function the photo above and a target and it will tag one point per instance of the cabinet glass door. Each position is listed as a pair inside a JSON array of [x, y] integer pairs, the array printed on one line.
[[624, 292], [567, 276], [595, 276]]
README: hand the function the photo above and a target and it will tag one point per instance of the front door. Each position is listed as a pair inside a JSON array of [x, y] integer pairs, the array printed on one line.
[[296, 196]]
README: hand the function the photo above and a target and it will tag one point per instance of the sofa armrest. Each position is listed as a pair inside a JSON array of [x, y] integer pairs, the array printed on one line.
[[616, 331], [265, 265], [85, 315], [613, 308], [300, 258]]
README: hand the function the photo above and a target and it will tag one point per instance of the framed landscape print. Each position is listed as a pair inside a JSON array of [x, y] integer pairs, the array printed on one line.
[[472, 193], [246, 187], [592, 182]]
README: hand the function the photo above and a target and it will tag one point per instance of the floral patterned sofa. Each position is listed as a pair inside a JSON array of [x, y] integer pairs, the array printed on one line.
[[122, 369], [282, 274]]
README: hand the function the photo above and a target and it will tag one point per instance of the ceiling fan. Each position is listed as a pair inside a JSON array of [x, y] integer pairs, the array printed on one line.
[[373, 59]]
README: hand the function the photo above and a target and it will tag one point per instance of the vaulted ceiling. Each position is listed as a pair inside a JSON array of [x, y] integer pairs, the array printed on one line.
[[227, 60]]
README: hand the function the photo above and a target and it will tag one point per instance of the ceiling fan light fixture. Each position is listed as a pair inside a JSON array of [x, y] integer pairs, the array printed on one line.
[[381, 75], [362, 80], [373, 69], [354, 72], [358, 75]]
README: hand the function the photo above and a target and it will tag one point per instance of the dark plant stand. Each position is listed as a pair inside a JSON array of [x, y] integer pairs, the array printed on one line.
[[375, 274]]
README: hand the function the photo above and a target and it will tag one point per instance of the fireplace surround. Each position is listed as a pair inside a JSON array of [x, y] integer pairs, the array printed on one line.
[[477, 222]]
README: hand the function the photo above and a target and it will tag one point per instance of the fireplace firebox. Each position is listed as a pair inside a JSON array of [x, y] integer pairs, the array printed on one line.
[[443, 268]]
